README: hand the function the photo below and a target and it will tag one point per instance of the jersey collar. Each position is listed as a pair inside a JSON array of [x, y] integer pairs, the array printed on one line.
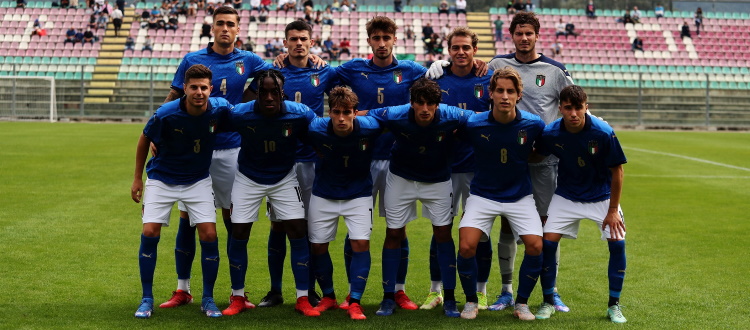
[[210, 50], [491, 118], [183, 107], [371, 63], [538, 59], [586, 125]]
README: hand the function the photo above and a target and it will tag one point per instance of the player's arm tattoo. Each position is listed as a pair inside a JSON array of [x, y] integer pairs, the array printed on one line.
[[173, 95]]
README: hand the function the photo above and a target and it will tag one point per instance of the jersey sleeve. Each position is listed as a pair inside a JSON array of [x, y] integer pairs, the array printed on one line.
[[332, 79], [153, 128], [615, 155], [541, 145], [381, 114]]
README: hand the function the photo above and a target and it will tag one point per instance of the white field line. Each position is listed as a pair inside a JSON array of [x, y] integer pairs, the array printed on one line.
[[689, 158], [688, 176]]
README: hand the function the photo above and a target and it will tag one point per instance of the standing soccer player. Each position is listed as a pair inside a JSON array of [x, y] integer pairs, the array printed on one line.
[[420, 171], [343, 187], [589, 186], [231, 69], [461, 87], [184, 132], [270, 128], [502, 140]]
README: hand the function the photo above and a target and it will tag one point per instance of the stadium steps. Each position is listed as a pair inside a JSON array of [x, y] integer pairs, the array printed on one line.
[[480, 23], [101, 89]]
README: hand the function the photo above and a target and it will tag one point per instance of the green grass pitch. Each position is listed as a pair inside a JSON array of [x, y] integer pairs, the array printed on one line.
[[70, 236]]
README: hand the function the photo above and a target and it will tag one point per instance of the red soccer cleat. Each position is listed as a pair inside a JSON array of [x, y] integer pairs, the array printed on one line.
[[326, 303], [179, 298], [355, 312], [404, 302], [237, 304], [345, 305], [303, 306]]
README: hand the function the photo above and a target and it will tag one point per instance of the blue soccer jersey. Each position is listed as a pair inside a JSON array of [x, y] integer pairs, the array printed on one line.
[[230, 72], [185, 142], [585, 159], [470, 93], [502, 154], [343, 169], [422, 153], [269, 144], [379, 87]]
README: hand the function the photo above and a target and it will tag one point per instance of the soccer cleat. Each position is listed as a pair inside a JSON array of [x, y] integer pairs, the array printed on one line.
[[208, 306], [433, 300], [522, 312], [545, 311], [326, 303], [355, 312], [404, 302], [145, 309], [345, 305], [179, 298], [615, 314], [559, 304], [450, 309], [482, 301], [386, 307], [237, 304], [271, 299], [470, 311], [303, 307], [504, 300]]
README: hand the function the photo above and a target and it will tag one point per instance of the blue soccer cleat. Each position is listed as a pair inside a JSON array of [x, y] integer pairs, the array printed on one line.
[[145, 309], [504, 300], [559, 304], [208, 306], [386, 307], [450, 309]]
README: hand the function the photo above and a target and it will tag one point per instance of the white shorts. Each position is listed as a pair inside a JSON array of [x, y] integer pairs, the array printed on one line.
[[401, 196], [565, 216], [521, 214], [543, 183], [223, 169], [461, 183], [379, 172], [248, 194], [305, 176], [159, 198], [324, 218]]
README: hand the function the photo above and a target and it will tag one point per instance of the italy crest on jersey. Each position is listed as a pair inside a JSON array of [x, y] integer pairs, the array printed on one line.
[[315, 80], [522, 137], [540, 79], [239, 66], [398, 77], [593, 147], [478, 91], [440, 136], [212, 126], [286, 130], [364, 143]]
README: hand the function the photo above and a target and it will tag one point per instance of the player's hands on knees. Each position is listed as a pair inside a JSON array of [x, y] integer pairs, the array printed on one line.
[[615, 223], [480, 68], [436, 69], [136, 190], [153, 149]]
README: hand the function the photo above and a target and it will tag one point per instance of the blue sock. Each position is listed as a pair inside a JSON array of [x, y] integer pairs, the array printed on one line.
[[147, 264], [184, 249], [548, 276], [391, 264], [617, 265], [237, 262], [360, 272], [276, 255], [210, 266], [403, 266], [528, 274], [435, 275], [446, 256], [300, 258], [324, 272], [467, 273], [311, 267], [484, 260], [348, 253]]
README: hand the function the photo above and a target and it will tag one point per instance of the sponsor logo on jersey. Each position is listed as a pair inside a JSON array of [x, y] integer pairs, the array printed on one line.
[[398, 77], [239, 66], [179, 130], [446, 91], [440, 136], [540, 79], [286, 130], [365, 74], [593, 147], [522, 137], [478, 91], [364, 143], [486, 137], [315, 80]]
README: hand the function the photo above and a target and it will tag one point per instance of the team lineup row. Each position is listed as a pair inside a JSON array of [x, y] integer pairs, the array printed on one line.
[[462, 137]]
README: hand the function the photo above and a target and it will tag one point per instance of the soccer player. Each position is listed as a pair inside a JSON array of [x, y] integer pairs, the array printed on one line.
[[270, 128], [381, 82], [461, 87], [343, 187], [589, 186], [420, 171], [184, 133], [231, 69], [502, 140]]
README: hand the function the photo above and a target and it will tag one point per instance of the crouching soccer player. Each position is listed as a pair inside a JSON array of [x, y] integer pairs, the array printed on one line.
[[502, 140], [183, 131], [342, 187], [589, 186]]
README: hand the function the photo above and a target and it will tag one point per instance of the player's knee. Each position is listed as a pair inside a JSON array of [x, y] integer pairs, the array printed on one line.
[[466, 249], [241, 231], [360, 245], [319, 248], [442, 233]]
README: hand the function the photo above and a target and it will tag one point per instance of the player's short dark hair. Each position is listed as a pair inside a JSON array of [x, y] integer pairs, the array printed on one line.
[[463, 31], [198, 71], [573, 94], [524, 17], [381, 23], [278, 80], [298, 25], [226, 10], [425, 90], [507, 73], [341, 96]]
